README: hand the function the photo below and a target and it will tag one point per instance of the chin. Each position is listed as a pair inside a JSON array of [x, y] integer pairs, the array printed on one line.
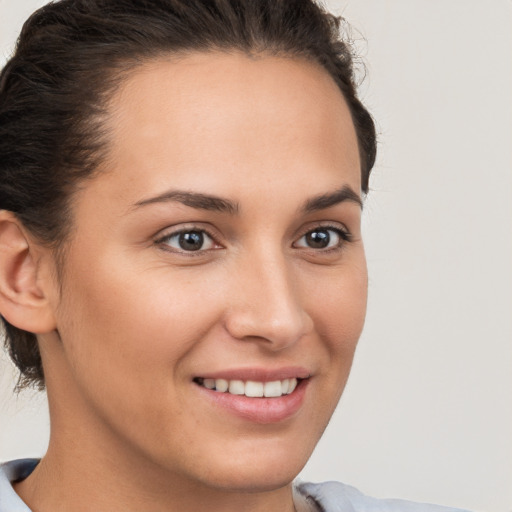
[[253, 479], [267, 470]]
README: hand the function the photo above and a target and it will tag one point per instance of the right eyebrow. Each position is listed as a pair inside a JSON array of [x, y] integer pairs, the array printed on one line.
[[324, 201], [193, 200]]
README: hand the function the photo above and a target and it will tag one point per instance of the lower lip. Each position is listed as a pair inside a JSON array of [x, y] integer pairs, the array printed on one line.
[[259, 410]]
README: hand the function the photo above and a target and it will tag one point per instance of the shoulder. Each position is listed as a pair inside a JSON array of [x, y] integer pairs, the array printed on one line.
[[11, 472], [338, 497]]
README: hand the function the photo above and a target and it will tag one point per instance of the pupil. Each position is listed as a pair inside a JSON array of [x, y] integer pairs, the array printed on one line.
[[318, 239], [191, 241]]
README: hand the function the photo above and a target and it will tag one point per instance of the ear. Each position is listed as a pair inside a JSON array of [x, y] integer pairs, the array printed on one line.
[[23, 291]]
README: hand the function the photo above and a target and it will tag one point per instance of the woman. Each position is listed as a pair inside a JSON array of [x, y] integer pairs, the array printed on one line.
[[182, 264]]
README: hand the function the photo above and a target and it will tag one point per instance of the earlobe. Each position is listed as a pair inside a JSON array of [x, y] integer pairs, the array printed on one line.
[[23, 298]]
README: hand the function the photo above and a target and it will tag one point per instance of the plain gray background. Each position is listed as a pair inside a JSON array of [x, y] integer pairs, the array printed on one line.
[[427, 414]]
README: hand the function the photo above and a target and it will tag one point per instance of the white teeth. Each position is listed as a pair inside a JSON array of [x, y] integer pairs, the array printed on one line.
[[251, 388], [272, 389], [254, 389], [221, 385], [236, 387]]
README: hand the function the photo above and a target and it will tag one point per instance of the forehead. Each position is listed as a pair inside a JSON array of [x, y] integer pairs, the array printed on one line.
[[215, 114]]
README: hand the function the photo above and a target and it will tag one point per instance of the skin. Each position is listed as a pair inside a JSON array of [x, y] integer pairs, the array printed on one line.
[[136, 318]]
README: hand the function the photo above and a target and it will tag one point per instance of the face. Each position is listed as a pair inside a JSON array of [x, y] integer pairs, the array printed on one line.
[[219, 248]]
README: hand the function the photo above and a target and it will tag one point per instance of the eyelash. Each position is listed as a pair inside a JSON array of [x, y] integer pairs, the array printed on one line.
[[163, 241], [344, 235]]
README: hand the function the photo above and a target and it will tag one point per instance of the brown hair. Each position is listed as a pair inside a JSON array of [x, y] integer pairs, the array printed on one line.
[[70, 57]]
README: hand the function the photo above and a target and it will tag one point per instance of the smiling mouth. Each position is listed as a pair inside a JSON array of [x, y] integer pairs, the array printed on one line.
[[250, 388]]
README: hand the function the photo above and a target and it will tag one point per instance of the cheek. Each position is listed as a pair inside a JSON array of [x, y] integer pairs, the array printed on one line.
[[339, 320], [125, 330], [127, 343], [142, 319], [341, 312]]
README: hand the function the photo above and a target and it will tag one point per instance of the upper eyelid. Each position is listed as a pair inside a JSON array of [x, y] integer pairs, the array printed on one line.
[[172, 231], [344, 234], [336, 226]]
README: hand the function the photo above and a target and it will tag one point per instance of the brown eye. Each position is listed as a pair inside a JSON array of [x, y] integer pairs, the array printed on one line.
[[318, 239], [322, 238], [192, 241], [189, 241]]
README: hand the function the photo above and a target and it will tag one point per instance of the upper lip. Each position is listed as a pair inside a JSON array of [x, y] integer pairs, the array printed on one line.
[[259, 374]]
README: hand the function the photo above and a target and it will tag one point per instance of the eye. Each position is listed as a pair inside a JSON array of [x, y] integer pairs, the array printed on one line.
[[323, 238], [191, 240]]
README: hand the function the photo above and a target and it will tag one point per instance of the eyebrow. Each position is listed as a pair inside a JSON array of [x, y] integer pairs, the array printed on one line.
[[194, 200], [324, 201], [214, 203]]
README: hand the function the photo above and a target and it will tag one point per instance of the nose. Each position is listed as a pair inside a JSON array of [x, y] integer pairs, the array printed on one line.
[[267, 305]]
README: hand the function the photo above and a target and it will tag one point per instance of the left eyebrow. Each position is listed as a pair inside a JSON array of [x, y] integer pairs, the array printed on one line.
[[327, 200]]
